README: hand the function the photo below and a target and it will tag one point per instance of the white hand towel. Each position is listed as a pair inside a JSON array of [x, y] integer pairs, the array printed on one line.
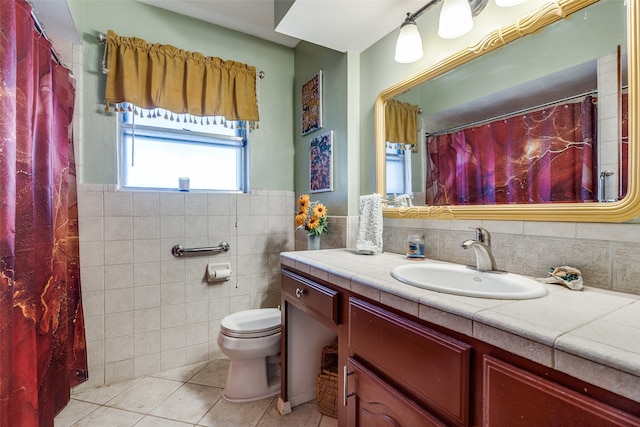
[[369, 238], [403, 200]]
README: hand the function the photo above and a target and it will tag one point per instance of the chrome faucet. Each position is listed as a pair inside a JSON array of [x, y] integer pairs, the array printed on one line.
[[482, 248]]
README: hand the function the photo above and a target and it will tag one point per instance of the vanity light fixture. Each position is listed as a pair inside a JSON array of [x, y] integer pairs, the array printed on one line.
[[455, 21], [409, 44]]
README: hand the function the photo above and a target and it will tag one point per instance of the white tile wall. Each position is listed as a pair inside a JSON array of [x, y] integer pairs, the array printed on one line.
[[608, 123], [608, 255], [148, 311]]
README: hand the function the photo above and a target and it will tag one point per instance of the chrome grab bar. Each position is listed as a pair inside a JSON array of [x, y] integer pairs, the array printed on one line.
[[178, 250]]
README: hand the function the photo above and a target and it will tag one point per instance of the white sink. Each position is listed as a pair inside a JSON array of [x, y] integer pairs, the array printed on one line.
[[460, 280]]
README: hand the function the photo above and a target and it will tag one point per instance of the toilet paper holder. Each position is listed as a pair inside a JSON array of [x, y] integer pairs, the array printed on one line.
[[218, 272]]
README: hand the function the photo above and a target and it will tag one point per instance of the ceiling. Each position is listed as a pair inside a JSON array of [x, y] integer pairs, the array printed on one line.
[[341, 25]]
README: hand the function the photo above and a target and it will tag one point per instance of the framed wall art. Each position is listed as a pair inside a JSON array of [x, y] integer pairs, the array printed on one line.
[[321, 163], [312, 104]]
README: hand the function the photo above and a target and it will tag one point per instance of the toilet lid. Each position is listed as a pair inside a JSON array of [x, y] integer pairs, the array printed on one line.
[[252, 323]]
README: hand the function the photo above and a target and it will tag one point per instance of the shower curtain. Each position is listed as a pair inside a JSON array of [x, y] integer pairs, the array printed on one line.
[[544, 156], [42, 343]]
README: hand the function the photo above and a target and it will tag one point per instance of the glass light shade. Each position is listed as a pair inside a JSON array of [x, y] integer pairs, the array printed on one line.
[[409, 44], [455, 19], [507, 3]]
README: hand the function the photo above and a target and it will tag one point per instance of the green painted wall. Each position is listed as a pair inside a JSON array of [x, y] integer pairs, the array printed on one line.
[[271, 146], [278, 153], [309, 59]]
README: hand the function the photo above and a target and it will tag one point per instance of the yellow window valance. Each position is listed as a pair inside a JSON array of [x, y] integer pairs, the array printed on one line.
[[401, 122], [163, 76]]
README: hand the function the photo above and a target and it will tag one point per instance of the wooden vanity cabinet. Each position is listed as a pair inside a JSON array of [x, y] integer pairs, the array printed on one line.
[[418, 363], [312, 317], [402, 371], [515, 397]]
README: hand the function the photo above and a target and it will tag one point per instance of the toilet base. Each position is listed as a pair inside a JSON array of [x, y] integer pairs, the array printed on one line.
[[248, 380]]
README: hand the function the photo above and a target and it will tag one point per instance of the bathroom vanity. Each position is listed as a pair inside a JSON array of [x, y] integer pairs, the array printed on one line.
[[410, 356]]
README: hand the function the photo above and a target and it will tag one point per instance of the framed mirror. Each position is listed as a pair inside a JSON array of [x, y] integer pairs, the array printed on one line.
[[486, 103]]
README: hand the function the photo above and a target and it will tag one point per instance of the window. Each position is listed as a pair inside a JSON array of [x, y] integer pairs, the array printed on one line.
[[398, 164], [157, 149]]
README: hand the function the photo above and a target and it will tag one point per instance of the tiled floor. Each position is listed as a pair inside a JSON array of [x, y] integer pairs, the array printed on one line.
[[190, 396]]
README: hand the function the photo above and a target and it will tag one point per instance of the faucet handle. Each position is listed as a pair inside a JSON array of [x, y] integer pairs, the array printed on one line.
[[482, 235]]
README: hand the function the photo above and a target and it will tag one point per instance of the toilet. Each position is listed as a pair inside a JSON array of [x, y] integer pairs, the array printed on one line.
[[251, 341]]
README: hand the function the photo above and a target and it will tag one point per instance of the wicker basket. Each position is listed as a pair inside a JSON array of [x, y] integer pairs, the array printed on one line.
[[329, 360], [327, 393], [327, 382]]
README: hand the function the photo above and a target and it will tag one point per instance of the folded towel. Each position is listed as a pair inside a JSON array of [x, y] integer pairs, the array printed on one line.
[[569, 276], [403, 200], [369, 238]]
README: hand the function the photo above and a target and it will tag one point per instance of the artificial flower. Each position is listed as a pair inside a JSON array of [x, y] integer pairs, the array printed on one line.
[[300, 218], [319, 210], [311, 216]]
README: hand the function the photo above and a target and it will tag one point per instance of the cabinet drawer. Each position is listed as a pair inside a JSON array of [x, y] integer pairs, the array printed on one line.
[[433, 368], [515, 397], [315, 297]]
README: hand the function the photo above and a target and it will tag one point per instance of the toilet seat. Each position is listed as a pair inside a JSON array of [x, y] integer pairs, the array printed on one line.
[[252, 323]]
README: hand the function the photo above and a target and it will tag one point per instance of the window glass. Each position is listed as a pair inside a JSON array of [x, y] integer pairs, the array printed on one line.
[[155, 152], [395, 170]]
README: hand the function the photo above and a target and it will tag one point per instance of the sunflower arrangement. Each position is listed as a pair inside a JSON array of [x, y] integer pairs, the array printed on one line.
[[311, 216]]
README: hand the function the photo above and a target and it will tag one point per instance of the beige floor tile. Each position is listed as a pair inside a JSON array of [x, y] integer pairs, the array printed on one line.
[[328, 422], [166, 400], [189, 403], [305, 415], [228, 414], [145, 395], [214, 374], [181, 374], [109, 417], [103, 394], [150, 421], [73, 412]]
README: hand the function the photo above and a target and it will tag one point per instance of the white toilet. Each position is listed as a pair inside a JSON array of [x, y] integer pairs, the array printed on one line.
[[251, 341]]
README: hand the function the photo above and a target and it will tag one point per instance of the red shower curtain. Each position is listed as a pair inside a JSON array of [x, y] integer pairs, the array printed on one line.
[[42, 343], [543, 156]]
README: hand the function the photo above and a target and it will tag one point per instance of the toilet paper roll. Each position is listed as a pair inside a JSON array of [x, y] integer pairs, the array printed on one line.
[[214, 275]]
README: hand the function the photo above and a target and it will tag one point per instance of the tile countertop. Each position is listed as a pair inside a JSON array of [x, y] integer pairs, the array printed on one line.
[[591, 334]]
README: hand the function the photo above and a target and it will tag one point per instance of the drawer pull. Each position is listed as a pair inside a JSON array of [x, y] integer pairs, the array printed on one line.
[[299, 292], [346, 393]]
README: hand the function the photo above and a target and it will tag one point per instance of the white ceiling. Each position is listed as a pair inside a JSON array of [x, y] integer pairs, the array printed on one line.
[[56, 19], [341, 25]]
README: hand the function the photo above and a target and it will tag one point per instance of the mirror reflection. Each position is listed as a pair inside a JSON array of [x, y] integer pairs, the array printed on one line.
[[533, 122]]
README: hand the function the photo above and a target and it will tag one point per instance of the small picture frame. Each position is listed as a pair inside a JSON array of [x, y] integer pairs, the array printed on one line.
[[312, 104], [321, 163]]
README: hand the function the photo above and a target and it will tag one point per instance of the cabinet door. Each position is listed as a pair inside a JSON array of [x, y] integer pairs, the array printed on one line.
[[514, 397], [431, 367], [374, 403]]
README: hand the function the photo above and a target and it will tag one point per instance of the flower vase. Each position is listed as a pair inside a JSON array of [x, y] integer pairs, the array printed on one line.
[[313, 242]]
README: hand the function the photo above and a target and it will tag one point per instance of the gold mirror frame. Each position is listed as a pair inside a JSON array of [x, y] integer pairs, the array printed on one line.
[[619, 211]]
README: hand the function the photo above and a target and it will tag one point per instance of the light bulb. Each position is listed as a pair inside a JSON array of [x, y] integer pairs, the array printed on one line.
[[455, 19], [409, 44]]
